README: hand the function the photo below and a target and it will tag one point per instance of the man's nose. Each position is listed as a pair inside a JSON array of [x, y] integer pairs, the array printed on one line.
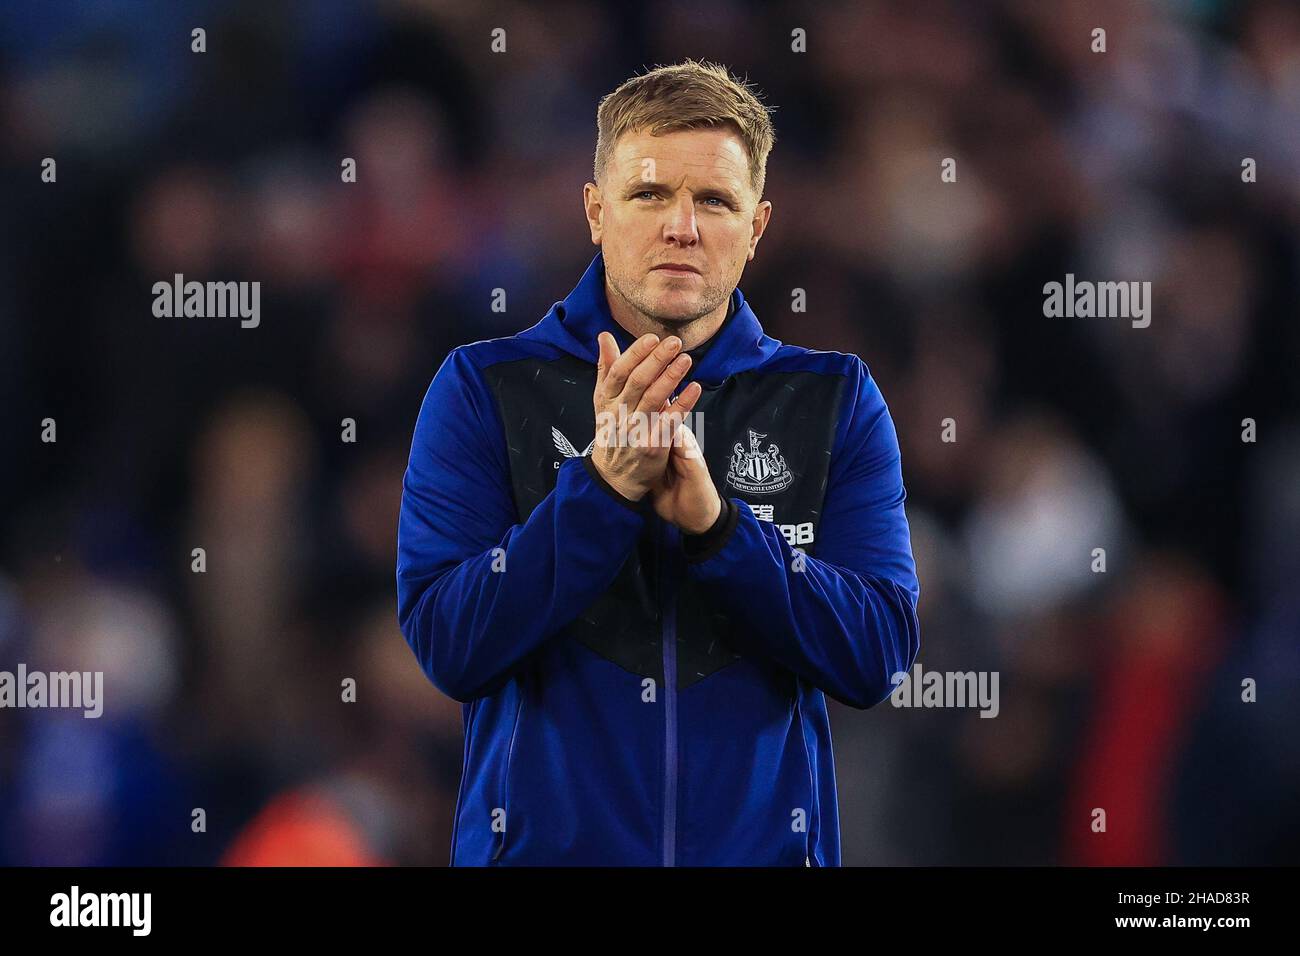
[[681, 221]]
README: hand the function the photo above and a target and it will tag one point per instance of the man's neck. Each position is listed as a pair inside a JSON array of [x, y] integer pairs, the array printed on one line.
[[692, 333]]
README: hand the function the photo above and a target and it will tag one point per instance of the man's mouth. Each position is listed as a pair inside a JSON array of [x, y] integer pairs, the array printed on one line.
[[676, 269]]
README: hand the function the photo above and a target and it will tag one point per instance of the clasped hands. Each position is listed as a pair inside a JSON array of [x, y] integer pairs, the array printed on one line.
[[661, 459]]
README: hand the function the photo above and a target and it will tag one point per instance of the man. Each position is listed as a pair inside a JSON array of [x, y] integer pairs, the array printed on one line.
[[643, 636]]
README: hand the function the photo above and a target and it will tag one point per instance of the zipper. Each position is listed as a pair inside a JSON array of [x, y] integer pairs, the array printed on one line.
[[468, 713], [669, 637], [505, 779], [812, 783], [667, 591]]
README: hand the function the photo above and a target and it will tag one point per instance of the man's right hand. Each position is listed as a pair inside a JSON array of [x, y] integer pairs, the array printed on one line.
[[639, 380]]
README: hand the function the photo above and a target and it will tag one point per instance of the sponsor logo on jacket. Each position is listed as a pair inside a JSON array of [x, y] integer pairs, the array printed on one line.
[[796, 534], [566, 447]]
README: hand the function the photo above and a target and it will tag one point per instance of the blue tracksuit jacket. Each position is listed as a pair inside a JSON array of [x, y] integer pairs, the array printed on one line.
[[631, 697]]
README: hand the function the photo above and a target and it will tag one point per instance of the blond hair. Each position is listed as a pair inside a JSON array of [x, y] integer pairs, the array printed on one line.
[[686, 95]]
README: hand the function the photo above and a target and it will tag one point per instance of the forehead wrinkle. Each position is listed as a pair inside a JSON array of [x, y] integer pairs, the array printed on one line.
[[721, 158]]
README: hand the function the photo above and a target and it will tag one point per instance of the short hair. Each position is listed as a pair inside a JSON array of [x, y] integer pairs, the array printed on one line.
[[686, 95]]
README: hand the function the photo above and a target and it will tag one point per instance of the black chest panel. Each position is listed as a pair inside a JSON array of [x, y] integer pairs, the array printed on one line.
[[767, 438]]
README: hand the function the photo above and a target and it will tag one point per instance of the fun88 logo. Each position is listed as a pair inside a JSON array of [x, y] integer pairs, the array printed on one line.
[[795, 534]]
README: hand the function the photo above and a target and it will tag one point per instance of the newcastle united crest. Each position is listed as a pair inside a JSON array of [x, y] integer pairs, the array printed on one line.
[[758, 472]]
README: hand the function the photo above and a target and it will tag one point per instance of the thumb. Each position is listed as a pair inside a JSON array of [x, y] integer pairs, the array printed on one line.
[[688, 448]]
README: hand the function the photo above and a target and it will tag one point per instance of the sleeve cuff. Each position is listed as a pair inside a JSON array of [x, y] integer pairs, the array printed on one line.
[[642, 507], [701, 547]]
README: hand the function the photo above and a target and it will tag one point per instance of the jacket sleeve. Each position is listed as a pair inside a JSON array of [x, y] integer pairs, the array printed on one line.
[[844, 620], [477, 590]]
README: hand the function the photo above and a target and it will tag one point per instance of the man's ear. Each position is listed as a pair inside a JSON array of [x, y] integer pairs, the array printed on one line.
[[762, 215], [593, 203]]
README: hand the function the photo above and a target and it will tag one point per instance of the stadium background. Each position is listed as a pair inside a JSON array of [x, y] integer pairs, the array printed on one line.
[[1118, 690]]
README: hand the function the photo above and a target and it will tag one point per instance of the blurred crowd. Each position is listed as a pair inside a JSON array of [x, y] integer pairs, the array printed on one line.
[[224, 690]]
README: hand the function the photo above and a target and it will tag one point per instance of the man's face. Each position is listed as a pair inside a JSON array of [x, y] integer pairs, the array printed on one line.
[[683, 197]]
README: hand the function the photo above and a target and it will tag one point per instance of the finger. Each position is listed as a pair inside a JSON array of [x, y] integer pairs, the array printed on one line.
[[687, 399], [685, 444], [686, 447], [616, 377], [649, 370], [682, 407], [608, 354], [664, 386], [679, 411]]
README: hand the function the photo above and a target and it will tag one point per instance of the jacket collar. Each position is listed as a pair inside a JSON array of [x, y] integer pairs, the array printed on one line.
[[738, 345]]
